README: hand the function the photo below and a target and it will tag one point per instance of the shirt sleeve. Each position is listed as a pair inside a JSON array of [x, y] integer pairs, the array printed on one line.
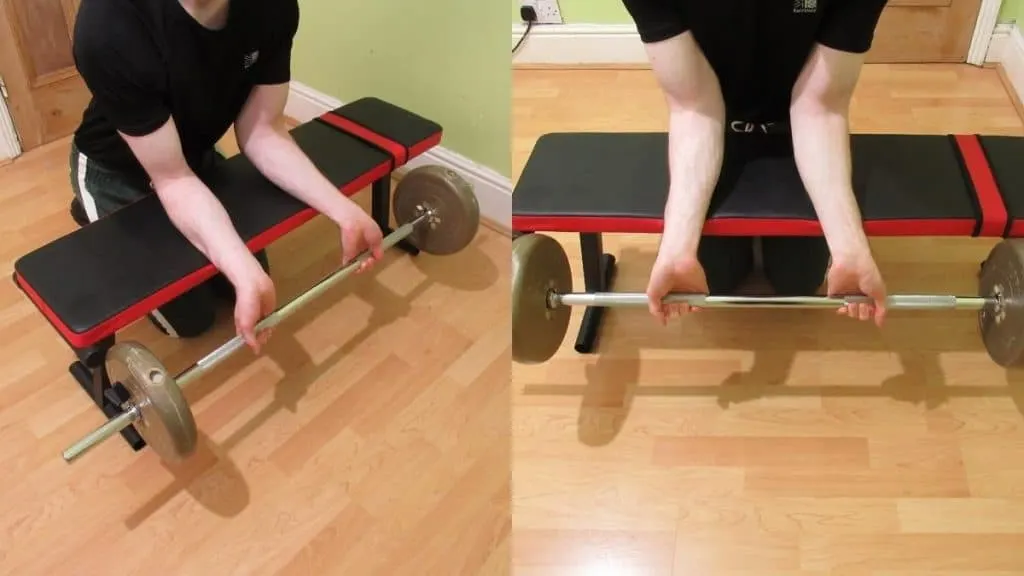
[[122, 70], [849, 25], [274, 64], [657, 20]]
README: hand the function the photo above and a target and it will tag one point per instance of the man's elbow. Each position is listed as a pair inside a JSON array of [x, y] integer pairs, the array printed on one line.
[[821, 103], [252, 132]]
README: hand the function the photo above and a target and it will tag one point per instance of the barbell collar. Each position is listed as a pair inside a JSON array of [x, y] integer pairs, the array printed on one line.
[[639, 299]]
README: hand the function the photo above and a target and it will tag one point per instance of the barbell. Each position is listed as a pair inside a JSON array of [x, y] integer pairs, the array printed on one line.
[[542, 298], [440, 215]]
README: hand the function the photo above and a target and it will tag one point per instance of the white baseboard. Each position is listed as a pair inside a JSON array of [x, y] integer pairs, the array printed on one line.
[[619, 44], [493, 190], [10, 147], [579, 45], [1007, 48]]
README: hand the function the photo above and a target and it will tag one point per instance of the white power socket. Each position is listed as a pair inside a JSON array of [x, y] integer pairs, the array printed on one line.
[[547, 11]]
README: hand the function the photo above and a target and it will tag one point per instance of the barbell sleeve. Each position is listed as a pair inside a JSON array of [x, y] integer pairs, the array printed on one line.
[[226, 350], [102, 434], [900, 302]]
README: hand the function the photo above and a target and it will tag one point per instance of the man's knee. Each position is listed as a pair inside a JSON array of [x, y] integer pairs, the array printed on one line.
[[187, 316], [727, 261]]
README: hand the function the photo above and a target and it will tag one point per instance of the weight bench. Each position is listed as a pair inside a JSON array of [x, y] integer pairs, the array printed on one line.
[[106, 275], [906, 185]]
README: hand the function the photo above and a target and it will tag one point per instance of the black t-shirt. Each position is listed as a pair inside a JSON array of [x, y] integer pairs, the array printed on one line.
[[145, 61], [759, 47]]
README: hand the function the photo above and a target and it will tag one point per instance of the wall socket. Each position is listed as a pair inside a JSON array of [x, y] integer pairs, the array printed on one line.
[[547, 10]]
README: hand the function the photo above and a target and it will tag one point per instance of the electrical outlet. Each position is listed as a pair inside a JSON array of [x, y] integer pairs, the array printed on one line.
[[547, 11]]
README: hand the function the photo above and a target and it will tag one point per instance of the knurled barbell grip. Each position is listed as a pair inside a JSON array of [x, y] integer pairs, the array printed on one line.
[[224, 351], [901, 301]]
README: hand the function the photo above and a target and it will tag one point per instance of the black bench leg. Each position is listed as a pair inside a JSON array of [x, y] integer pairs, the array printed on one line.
[[90, 371], [381, 212], [598, 272]]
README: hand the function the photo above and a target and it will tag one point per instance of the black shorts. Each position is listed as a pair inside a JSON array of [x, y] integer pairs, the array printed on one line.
[[793, 265], [99, 191]]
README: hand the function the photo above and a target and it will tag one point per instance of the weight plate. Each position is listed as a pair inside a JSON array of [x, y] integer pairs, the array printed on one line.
[[167, 424], [455, 211], [539, 266], [1002, 324]]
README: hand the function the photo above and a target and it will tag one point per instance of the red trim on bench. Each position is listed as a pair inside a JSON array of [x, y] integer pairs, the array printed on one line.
[[417, 149], [396, 149], [741, 226], [993, 210], [179, 287]]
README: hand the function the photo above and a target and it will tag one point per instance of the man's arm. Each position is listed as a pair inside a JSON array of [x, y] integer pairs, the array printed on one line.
[[819, 117], [124, 73], [262, 137], [190, 204], [821, 144], [696, 137]]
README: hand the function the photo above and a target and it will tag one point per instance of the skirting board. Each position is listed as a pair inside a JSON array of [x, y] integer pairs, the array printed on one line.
[[10, 148], [579, 45], [493, 191], [1007, 48]]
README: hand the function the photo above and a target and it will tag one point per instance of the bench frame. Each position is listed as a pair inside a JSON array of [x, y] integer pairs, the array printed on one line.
[[90, 370]]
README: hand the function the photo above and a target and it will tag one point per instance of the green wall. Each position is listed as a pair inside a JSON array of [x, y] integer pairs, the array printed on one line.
[[1012, 10], [448, 60], [594, 12], [613, 12]]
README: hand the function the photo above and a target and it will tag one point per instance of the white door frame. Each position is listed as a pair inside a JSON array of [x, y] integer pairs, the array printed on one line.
[[10, 146], [983, 29]]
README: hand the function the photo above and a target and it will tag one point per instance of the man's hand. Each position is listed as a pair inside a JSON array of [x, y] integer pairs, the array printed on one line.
[[359, 233], [674, 272], [255, 299], [855, 277]]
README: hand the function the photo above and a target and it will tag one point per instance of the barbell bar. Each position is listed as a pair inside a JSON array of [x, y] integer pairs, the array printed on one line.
[[542, 297], [898, 301], [441, 216]]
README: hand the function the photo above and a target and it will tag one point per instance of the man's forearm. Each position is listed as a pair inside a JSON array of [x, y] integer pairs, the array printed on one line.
[[696, 137], [821, 144], [202, 219], [276, 155]]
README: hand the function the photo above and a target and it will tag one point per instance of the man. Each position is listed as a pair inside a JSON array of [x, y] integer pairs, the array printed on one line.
[[168, 78], [751, 67]]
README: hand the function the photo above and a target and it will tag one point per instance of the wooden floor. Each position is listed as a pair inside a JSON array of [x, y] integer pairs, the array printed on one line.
[[772, 442], [371, 437]]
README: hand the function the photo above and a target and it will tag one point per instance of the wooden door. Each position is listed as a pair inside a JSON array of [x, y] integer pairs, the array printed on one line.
[[45, 94], [925, 31]]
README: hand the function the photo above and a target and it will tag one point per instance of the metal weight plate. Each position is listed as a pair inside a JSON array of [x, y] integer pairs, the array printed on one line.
[[167, 424], [539, 266], [1002, 324], [456, 212]]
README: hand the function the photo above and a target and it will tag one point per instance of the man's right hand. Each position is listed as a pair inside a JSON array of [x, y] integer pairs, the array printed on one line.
[[674, 271], [255, 298]]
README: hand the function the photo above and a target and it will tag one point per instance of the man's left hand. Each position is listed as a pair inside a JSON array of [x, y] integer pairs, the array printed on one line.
[[359, 233], [858, 275]]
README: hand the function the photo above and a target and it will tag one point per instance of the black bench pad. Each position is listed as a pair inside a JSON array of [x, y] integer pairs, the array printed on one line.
[[905, 184], [108, 274]]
